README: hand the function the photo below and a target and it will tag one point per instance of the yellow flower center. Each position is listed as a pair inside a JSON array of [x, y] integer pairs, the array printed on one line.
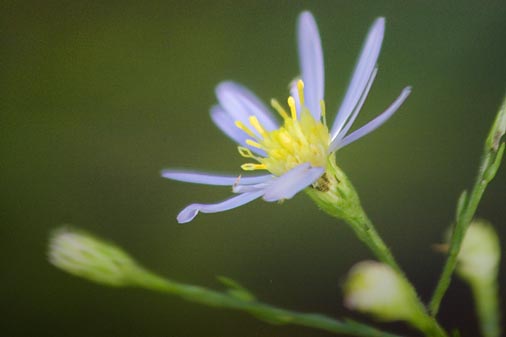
[[300, 140]]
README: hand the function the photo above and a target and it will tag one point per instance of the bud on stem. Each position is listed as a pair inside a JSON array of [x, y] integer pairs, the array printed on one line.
[[86, 256], [375, 288], [335, 195]]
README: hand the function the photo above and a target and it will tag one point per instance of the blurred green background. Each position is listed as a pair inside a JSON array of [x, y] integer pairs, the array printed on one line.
[[98, 97]]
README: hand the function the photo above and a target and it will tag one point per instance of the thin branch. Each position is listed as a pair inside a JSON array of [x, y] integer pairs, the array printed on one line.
[[468, 203]]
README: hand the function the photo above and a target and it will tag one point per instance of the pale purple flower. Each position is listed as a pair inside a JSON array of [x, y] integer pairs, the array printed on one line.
[[294, 152]]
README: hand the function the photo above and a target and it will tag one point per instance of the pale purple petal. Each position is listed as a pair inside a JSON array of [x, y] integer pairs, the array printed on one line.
[[362, 73], [293, 181], [374, 124], [242, 188], [226, 124], [211, 179], [240, 104], [311, 62], [357, 109], [191, 211]]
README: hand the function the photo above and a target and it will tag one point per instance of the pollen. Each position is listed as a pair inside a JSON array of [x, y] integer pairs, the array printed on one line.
[[301, 138]]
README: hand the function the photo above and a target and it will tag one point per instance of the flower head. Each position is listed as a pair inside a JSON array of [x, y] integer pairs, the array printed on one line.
[[296, 152]]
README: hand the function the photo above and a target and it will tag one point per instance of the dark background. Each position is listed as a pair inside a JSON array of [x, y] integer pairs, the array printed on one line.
[[98, 97]]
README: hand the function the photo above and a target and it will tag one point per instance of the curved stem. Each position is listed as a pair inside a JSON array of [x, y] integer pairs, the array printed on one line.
[[491, 159], [336, 196], [263, 311], [365, 231]]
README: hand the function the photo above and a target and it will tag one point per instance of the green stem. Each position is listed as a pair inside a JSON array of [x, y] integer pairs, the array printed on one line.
[[455, 245], [365, 231], [96, 260], [487, 308], [147, 280], [336, 196], [491, 159]]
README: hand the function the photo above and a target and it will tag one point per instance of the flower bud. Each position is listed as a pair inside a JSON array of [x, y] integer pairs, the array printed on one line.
[[83, 255], [479, 254], [478, 264], [376, 289]]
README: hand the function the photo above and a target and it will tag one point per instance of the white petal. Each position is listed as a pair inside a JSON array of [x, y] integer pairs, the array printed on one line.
[[226, 124], [362, 73], [210, 179], [374, 124], [311, 62], [240, 104], [293, 181], [191, 211]]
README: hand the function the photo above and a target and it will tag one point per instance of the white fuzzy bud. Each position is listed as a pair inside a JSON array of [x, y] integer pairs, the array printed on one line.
[[83, 255], [479, 254], [376, 289]]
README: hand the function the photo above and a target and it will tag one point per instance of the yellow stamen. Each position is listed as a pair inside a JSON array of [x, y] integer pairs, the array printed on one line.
[[244, 128], [245, 152], [323, 111], [253, 120], [301, 138], [300, 88], [252, 167], [275, 104], [253, 143], [293, 110]]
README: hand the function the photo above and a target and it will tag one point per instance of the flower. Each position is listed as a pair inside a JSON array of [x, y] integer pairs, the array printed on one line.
[[296, 152]]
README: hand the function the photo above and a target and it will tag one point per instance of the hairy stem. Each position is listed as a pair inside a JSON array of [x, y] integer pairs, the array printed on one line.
[[260, 310], [336, 196], [468, 203]]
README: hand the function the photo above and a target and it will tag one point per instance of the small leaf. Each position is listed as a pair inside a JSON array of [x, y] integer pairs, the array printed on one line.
[[490, 172], [498, 129], [236, 290]]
